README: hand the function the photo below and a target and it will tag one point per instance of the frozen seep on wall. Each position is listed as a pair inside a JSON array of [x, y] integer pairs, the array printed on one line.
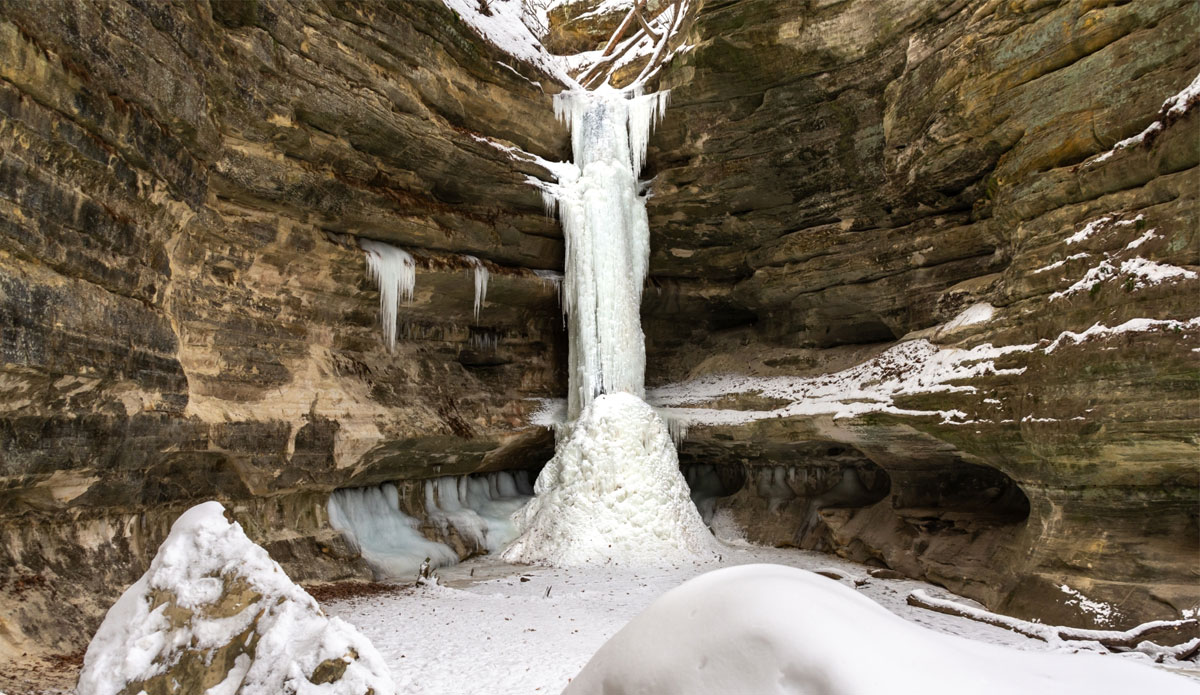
[[477, 508]]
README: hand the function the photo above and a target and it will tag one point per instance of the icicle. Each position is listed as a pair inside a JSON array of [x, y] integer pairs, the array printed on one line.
[[481, 283], [478, 508], [645, 113], [555, 280], [483, 339], [395, 274], [677, 426]]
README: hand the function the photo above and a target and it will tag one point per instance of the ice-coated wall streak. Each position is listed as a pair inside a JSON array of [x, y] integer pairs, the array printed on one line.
[[481, 282]]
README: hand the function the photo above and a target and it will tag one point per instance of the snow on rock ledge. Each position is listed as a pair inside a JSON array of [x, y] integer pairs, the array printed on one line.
[[215, 614], [769, 629], [612, 492]]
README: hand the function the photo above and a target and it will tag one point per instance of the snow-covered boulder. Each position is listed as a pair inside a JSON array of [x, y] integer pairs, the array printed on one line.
[[215, 614], [766, 629]]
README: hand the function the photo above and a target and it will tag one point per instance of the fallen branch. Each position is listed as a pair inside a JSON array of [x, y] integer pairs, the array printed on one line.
[[1114, 640], [591, 73], [612, 41], [1180, 652], [839, 575], [672, 28], [647, 28]]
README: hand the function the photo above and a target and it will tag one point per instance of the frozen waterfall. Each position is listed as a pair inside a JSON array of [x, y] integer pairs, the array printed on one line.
[[607, 240], [613, 491]]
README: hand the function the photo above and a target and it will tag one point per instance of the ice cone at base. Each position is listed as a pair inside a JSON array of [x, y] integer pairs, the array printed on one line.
[[612, 492]]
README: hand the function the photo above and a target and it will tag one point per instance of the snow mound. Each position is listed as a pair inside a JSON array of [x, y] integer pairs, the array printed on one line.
[[612, 492], [215, 614], [767, 629]]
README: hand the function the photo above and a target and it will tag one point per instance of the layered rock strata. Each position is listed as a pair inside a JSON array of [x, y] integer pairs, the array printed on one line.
[[184, 312], [834, 177]]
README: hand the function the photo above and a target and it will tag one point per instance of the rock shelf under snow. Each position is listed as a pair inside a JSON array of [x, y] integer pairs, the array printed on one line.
[[911, 367], [612, 492], [769, 629], [215, 613]]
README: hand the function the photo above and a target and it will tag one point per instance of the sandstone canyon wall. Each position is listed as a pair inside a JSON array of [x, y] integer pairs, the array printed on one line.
[[185, 314]]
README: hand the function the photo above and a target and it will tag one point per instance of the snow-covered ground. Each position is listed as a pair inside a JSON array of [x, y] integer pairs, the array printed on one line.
[[498, 629]]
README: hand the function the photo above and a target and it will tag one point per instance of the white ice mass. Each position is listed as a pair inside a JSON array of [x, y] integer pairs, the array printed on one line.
[[478, 508], [607, 240], [178, 610], [394, 272], [613, 491], [388, 539], [770, 629]]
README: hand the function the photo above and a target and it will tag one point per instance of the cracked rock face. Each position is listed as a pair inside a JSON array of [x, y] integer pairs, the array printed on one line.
[[185, 315]]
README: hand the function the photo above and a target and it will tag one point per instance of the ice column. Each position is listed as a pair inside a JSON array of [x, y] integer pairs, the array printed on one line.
[[613, 491], [607, 240]]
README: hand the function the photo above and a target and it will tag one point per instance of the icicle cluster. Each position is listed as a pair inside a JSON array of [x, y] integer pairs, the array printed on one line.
[[477, 508], [394, 272]]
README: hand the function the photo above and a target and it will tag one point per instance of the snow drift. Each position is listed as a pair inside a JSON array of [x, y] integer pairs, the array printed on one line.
[[766, 629], [215, 614]]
